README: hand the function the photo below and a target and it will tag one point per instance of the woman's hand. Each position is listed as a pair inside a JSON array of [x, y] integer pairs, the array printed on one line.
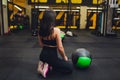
[[65, 58]]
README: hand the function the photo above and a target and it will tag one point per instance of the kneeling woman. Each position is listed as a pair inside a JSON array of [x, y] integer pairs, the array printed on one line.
[[50, 41]]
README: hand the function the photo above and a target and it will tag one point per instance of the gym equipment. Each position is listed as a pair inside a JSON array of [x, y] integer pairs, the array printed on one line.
[[20, 27], [69, 33], [62, 35], [81, 58], [107, 18], [11, 27]]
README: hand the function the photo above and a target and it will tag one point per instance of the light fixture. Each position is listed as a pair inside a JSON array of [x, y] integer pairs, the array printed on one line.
[[17, 7], [41, 6]]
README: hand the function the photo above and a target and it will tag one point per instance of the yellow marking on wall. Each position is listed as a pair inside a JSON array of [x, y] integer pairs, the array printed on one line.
[[36, 0], [93, 18], [74, 27], [60, 14], [72, 1], [75, 18], [65, 19], [66, 1], [60, 1], [119, 2], [60, 26], [11, 16], [32, 0], [15, 11], [42, 1], [41, 15], [76, 1], [10, 6], [114, 27], [21, 3], [97, 1]]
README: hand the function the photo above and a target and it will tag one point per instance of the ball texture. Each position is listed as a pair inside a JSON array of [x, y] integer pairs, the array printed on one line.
[[81, 58]]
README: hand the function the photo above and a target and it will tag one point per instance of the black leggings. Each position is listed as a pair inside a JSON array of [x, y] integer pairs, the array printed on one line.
[[50, 56]]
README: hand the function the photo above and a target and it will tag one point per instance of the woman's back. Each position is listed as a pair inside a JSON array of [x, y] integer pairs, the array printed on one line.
[[51, 39]]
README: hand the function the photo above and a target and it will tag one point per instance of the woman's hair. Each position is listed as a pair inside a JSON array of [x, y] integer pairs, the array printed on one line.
[[47, 23]]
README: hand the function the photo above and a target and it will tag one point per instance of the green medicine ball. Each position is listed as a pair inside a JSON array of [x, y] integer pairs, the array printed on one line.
[[62, 36], [20, 27], [81, 58]]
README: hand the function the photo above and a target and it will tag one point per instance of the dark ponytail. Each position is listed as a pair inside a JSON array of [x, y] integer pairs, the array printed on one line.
[[47, 23]]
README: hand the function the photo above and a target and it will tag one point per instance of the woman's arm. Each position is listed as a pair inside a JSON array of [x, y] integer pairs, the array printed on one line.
[[60, 45]]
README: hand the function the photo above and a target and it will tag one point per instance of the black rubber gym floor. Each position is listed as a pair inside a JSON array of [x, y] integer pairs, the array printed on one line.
[[19, 56]]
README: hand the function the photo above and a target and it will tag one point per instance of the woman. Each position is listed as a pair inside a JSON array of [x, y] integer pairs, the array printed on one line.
[[51, 43]]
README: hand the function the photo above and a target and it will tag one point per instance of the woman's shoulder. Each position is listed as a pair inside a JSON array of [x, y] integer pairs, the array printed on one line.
[[56, 29]]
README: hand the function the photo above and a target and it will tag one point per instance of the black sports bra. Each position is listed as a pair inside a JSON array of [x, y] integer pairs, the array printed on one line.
[[49, 42]]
